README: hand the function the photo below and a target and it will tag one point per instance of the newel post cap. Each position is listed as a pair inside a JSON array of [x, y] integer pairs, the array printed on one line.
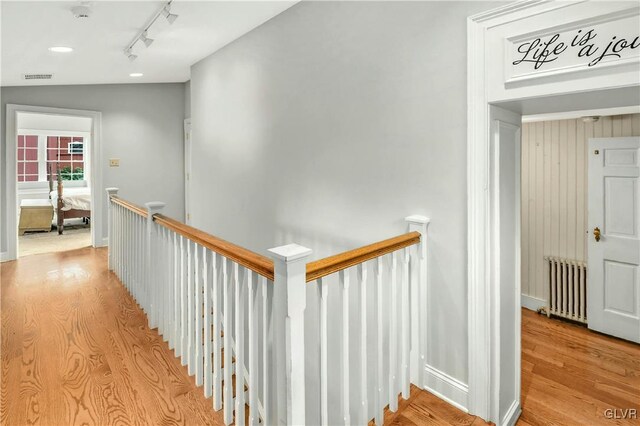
[[290, 252], [417, 219], [112, 190], [155, 205]]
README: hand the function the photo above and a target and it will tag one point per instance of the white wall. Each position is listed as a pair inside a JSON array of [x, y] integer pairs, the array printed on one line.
[[554, 191], [141, 125], [329, 124]]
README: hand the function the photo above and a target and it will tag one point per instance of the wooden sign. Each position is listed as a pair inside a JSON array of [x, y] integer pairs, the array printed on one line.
[[590, 45]]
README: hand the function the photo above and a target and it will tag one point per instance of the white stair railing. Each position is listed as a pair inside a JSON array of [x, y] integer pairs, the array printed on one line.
[[228, 312]]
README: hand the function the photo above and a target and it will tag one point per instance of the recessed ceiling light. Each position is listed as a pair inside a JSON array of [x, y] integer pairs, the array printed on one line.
[[60, 49], [136, 74]]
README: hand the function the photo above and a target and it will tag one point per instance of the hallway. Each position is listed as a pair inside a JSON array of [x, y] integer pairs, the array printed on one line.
[[79, 351]]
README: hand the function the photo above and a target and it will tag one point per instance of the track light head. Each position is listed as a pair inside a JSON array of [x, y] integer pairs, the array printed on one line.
[[146, 40], [130, 54], [170, 17]]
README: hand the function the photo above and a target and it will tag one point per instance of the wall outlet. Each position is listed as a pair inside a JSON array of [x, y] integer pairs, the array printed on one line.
[[114, 162]]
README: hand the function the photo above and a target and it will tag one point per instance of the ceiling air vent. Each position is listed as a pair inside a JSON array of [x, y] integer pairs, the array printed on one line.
[[37, 76]]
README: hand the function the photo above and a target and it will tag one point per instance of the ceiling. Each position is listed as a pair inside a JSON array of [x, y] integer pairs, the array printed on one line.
[[28, 29]]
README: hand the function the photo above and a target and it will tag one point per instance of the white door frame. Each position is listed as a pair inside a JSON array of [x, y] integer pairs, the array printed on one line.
[[483, 290], [187, 169], [11, 184]]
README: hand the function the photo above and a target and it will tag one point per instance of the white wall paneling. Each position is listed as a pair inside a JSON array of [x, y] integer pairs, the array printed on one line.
[[554, 188]]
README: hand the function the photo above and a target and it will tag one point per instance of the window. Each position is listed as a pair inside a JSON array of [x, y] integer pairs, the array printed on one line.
[[27, 158], [40, 154], [67, 153], [76, 148]]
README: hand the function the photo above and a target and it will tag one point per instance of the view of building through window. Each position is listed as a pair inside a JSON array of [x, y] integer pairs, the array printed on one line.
[[27, 158], [67, 153], [39, 156]]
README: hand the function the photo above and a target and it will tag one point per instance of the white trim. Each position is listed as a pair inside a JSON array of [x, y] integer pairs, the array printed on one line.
[[11, 183], [104, 243], [447, 388], [579, 114], [187, 168], [512, 415], [4, 256], [532, 303]]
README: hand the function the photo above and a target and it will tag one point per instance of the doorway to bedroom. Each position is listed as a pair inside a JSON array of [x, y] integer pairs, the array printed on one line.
[[53, 178]]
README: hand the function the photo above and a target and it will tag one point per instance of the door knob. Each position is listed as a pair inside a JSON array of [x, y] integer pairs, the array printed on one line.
[[596, 233]]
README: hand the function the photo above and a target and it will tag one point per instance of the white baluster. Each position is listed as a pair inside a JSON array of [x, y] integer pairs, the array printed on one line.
[[110, 231], [420, 224], [324, 366], [239, 332], [158, 282], [393, 336], [379, 407], [168, 291], [228, 350], [267, 289], [191, 364], [217, 352], [290, 298], [252, 293], [184, 300], [344, 361], [198, 314], [364, 405], [151, 262], [405, 324], [208, 388], [177, 343]]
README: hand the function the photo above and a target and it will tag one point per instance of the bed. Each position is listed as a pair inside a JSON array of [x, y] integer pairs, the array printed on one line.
[[69, 203]]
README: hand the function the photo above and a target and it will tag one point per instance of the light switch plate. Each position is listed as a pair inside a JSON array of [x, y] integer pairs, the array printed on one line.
[[114, 162]]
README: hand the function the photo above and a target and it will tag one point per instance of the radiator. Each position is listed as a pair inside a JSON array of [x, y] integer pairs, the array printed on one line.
[[567, 288]]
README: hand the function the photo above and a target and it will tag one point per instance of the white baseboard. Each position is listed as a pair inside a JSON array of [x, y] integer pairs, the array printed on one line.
[[447, 388], [511, 416], [4, 256], [532, 303]]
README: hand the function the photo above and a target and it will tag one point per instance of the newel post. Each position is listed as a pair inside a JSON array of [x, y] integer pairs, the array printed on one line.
[[419, 305], [290, 296], [151, 295], [110, 192]]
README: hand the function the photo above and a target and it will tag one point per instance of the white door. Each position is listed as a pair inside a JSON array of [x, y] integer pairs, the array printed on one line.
[[187, 169], [613, 276]]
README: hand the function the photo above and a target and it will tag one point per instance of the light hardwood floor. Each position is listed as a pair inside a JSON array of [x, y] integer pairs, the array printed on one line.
[[76, 350]]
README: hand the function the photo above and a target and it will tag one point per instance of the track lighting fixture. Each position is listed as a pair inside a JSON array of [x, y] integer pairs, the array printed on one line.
[[143, 36], [146, 40], [170, 17]]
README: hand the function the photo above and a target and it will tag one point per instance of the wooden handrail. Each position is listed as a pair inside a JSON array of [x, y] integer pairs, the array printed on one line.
[[260, 264], [130, 206], [329, 265]]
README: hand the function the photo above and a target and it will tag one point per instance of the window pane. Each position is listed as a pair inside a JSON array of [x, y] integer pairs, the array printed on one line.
[[31, 154], [31, 167], [20, 168], [20, 178], [20, 141], [20, 154], [31, 141], [52, 142], [31, 178]]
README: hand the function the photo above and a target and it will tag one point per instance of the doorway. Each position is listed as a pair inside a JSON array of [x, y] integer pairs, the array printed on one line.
[[52, 151], [499, 76]]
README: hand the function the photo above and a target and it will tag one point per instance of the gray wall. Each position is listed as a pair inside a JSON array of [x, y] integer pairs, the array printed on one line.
[[141, 124], [329, 124]]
